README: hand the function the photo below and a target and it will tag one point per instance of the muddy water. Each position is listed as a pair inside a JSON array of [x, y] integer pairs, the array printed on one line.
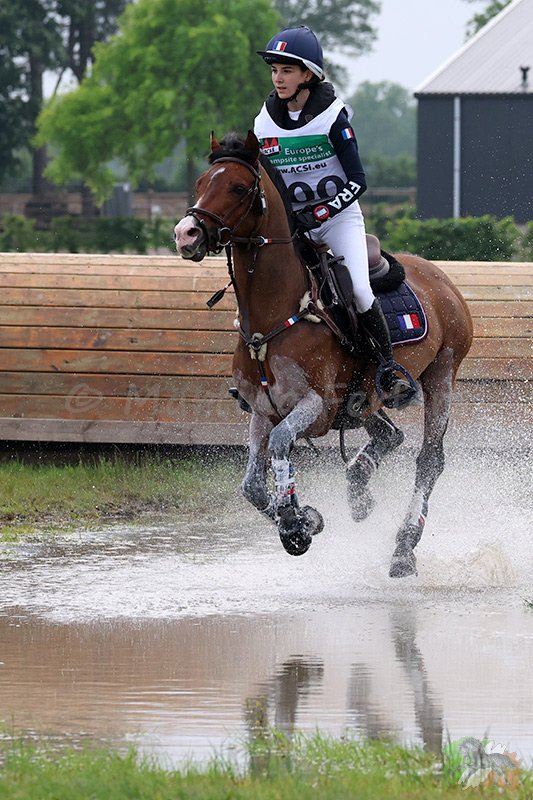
[[192, 636]]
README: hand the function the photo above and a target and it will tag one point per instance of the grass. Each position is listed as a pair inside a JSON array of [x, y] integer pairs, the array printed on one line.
[[316, 768], [59, 496]]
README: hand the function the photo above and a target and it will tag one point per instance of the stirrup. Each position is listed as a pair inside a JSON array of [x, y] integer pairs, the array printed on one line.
[[401, 392]]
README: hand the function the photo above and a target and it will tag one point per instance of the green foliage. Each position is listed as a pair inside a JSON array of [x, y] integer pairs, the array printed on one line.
[[384, 120], [479, 20], [29, 43], [341, 25], [177, 70], [86, 235], [527, 243], [380, 216], [17, 233], [56, 495], [317, 768], [398, 172], [465, 239]]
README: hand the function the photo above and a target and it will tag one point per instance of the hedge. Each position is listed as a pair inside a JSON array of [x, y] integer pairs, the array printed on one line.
[[466, 239], [81, 235]]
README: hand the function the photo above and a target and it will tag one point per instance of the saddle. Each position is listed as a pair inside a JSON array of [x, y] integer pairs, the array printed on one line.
[[333, 285], [333, 289]]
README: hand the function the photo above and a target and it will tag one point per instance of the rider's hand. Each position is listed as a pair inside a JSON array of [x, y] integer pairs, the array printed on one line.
[[311, 217]]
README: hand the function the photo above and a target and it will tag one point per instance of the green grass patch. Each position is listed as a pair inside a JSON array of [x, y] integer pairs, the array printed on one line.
[[52, 496], [314, 768]]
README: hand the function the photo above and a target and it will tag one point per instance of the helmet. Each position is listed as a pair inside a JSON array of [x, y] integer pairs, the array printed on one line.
[[295, 46]]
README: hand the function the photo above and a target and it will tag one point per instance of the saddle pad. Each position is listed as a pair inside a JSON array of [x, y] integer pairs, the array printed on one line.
[[404, 314]]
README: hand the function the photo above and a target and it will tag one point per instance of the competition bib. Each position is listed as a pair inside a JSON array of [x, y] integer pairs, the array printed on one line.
[[305, 157]]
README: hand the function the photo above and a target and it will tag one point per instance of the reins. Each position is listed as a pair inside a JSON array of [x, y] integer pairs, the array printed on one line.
[[255, 242]]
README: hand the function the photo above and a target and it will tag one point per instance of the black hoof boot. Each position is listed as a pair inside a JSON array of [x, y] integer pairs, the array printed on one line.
[[359, 496], [403, 563], [296, 529], [313, 519]]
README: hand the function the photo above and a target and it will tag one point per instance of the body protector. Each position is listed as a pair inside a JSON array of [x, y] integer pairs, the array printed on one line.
[[305, 155]]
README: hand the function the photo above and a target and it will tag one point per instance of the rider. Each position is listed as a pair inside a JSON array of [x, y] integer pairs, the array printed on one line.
[[305, 131]]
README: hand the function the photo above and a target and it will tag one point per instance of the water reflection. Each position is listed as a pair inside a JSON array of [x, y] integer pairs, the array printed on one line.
[[192, 686], [428, 712], [276, 703]]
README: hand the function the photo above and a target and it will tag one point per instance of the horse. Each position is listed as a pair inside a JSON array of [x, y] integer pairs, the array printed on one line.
[[291, 370]]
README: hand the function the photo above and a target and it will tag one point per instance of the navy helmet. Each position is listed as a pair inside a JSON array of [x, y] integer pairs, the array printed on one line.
[[295, 46]]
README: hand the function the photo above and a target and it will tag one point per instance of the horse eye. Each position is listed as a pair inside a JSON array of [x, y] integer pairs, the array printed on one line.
[[239, 189]]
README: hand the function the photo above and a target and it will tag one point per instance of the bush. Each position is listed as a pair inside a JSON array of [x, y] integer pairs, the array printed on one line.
[[465, 239], [527, 243], [82, 235], [18, 233], [378, 217]]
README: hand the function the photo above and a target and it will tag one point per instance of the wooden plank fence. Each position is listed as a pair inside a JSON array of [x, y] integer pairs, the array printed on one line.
[[102, 348]]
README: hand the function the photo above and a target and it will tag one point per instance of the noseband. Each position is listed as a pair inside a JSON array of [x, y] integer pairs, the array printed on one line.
[[224, 235]]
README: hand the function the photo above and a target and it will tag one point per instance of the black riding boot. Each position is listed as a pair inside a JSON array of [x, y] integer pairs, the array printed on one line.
[[397, 391]]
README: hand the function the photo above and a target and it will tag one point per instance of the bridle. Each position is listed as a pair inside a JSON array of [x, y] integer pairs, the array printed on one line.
[[223, 235]]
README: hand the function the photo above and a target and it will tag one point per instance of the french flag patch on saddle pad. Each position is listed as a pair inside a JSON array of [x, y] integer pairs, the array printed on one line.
[[404, 314]]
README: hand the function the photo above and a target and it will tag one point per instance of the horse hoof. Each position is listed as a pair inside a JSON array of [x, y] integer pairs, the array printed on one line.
[[361, 504], [403, 564], [314, 521], [294, 532]]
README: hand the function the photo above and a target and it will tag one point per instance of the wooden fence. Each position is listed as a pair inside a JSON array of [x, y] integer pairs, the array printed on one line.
[[123, 348]]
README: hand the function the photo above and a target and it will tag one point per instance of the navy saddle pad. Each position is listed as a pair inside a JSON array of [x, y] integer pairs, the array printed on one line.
[[404, 314]]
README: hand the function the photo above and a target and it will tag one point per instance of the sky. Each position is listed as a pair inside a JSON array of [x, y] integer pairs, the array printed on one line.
[[414, 38]]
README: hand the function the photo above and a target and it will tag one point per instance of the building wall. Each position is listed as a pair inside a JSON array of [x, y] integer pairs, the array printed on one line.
[[434, 157], [496, 156]]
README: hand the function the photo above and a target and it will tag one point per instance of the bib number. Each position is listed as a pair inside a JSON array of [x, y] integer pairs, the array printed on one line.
[[301, 192]]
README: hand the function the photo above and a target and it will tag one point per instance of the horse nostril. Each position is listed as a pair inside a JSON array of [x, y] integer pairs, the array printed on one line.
[[192, 231]]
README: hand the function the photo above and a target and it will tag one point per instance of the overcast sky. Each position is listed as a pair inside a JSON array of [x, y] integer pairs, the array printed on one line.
[[414, 38]]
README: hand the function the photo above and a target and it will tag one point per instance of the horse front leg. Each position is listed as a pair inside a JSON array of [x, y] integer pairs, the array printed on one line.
[[384, 438], [296, 525], [254, 485], [437, 383]]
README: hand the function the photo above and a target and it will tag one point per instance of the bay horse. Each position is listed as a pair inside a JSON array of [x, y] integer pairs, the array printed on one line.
[[292, 372]]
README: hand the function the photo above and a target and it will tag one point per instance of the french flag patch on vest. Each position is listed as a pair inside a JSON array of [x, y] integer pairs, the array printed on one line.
[[348, 133]]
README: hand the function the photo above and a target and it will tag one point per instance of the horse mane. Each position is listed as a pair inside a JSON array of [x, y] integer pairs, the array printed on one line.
[[233, 146]]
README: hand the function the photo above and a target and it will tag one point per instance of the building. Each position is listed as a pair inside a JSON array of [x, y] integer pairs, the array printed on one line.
[[475, 124]]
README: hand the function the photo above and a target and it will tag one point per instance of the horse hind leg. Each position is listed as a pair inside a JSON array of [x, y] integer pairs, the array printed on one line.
[[437, 384], [384, 438], [296, 525]]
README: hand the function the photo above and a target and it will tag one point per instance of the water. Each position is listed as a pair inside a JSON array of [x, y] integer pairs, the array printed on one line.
[[190, 637]]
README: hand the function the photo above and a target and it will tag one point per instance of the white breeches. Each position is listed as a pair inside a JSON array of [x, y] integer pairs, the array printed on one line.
[[345, 236]]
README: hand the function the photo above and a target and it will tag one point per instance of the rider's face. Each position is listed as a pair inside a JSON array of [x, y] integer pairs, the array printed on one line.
[[287, 77]]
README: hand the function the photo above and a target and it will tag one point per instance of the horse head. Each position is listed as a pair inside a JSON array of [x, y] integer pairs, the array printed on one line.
[[229, 199]]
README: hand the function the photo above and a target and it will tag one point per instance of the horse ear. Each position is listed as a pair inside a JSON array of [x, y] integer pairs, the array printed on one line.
[[215, 144], [252, 144]]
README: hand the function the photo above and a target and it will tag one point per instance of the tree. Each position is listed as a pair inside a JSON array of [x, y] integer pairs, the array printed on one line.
[[177, 69], [29, 44], [341, 25], [479, 21], [384, 119], [39, 35], [83, 23]]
